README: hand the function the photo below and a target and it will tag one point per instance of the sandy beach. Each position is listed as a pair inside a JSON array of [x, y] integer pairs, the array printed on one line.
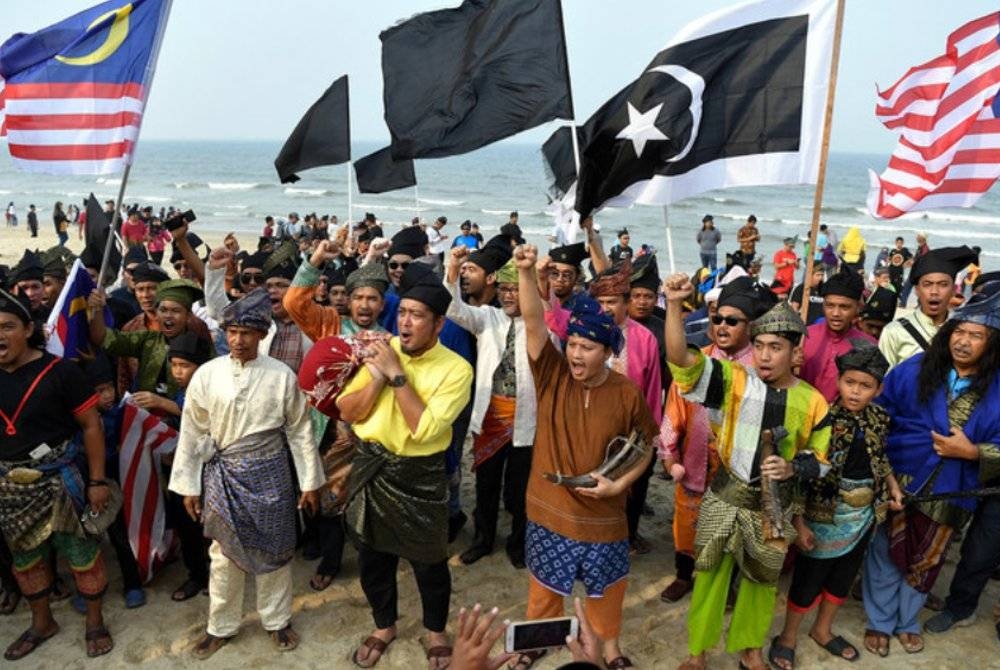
[[333, 622]]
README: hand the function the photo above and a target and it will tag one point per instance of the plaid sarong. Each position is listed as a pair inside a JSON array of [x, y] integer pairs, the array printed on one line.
[[30, 513], [250, 502]]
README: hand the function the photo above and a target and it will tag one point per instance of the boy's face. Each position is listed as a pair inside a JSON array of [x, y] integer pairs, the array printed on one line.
[[857, 389], [772, 355], [182, 370], [105, 396]]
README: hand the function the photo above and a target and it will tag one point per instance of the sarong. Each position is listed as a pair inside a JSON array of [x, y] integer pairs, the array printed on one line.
[[497, 429], [337, 459], [250, 502], [558, 561], [399, 504], [730, 522], [918, 546], [850, 525], [30, 513]]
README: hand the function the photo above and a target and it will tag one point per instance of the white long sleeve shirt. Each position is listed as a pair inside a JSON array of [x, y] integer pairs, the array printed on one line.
[[229, 400]]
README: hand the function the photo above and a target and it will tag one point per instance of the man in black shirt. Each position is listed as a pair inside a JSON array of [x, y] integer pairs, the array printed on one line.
[[815, 296], [44, 403]]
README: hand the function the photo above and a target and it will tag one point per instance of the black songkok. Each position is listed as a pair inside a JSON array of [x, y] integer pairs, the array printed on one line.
[[419, 282]]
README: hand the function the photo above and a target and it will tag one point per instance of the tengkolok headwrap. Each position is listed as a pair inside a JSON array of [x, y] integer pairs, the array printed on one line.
[[881, 306], [183, 291], [612, 282], [508, 273], [846, 283], [982, 308], [370, 275], [778, 320], [747, 295], [865, 357], [420, 283], [251, 311], [12, 304], [645, 273], [589, 321]]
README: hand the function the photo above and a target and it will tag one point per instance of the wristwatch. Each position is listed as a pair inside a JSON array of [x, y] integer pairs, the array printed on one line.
[[397, 382]]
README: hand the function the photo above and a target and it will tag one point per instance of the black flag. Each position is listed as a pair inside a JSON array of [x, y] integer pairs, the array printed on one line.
[[98, 228], [733, 101], [322, 137], [378, 172], [560, 164], [459, 79]]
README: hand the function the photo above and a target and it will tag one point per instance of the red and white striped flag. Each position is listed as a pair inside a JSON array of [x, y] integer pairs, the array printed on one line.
[[144, 440], [947, 117], [75, 91]]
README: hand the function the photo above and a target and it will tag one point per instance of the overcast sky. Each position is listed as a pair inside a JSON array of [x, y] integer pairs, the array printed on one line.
[[248, 69]]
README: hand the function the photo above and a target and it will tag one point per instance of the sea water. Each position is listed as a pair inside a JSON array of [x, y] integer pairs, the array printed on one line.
[[231, 186]]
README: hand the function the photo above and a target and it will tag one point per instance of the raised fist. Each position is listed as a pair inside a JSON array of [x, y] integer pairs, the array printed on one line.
[[677, 287], [525, 256]]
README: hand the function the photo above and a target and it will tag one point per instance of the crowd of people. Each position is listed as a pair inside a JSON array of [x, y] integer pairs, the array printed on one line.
[[323, 385]]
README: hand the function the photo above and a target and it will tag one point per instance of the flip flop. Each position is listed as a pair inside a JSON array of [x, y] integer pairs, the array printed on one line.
[[320, 582], [285, 639], [779, 652], [208, 645], [914, 646], [32, 638], [186, 591], [837, 646], [436, 653], [618, 663], [526, 659], [878, 649]]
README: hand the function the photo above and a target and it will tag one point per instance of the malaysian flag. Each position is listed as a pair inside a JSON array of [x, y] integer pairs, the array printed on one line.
[[144, 440], [948, 119], [74, 93]]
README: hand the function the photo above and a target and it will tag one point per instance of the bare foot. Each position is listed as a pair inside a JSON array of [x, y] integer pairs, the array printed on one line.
[[693, 663]]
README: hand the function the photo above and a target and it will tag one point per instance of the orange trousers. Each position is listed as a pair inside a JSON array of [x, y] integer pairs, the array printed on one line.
[[604, 613]]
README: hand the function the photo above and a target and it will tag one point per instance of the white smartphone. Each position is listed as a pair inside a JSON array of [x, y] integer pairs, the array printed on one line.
[[541, 633]]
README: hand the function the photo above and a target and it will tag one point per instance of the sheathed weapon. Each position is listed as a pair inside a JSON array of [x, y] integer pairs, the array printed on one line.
[[770, 493], [621, 455], [987, 492]]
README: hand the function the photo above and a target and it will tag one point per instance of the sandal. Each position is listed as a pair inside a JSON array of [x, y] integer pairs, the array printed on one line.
[[374, 645], [877, 643], [208, 645], [526, 659], [31, 638], [837, 646], [186, 591], [619, 662], [436, 654], [320, 582], [913, 644], [285, 639], [9, 602], [95, 635], [779, 652]]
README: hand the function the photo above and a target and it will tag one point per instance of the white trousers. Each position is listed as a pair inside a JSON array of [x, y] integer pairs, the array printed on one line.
[[226, 583]]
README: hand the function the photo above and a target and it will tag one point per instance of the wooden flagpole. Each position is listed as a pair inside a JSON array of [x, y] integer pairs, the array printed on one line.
[[350, 198], [824, 155]]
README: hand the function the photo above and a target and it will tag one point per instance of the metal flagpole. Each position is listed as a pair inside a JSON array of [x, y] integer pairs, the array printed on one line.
[[148, 84], [824, 155], [670, 240]]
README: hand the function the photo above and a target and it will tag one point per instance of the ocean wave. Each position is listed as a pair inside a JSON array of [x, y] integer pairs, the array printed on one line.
[[441, 203], [150, 198], [961, 218], [186, 184], [237, 206], [727, 201], [498, 212], [109, 181], [235, 185], [393, 208], [308, 192]]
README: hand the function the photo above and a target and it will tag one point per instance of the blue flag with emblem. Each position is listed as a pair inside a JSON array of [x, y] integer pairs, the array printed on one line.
[[68, 328]]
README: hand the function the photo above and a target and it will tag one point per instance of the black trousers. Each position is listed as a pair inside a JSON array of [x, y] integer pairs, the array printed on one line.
[[118, 535], [506, 471], [194, 546], [378, 581], [7, 581], [330, 534], [833, 577], [980, 557], [637, 499]]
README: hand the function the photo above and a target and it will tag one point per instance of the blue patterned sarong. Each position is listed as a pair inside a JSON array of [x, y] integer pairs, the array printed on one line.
[[558, 562], [250, 502]]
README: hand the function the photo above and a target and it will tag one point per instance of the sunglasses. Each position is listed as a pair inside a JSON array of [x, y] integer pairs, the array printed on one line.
[[251, 277], [728, 320], [394, 265]]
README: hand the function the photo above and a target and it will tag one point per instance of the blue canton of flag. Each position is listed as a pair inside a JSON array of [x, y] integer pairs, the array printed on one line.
[[68, 328]]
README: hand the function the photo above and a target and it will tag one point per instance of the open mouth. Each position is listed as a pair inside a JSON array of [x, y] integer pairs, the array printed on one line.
[[578, 369], [168, 324], [3, 349]]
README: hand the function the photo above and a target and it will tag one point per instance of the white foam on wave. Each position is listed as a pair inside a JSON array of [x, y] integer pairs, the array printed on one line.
[[496, 211], [233, 185], [307, 192], [186, 184], [151, 198], [237, 206], [110, 181], [441, 203], [394, 208]]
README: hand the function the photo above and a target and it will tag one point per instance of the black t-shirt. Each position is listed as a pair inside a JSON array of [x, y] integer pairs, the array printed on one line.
[[815, 302], [49, 413]]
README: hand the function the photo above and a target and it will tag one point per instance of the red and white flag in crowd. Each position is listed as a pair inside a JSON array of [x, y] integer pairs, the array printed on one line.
[[144, 440], [75, 91], [948, 119]]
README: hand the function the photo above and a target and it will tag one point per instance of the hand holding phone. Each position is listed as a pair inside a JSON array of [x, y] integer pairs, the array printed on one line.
[[541, 633]]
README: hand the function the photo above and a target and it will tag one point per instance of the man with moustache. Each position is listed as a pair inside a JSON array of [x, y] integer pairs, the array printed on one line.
[[837, 335], [504, 408], [401, 404], [742, 402], [579, 533], [944, 437], [407, 245], [243, 414], [562, 272], [478, 275], [933, 279]]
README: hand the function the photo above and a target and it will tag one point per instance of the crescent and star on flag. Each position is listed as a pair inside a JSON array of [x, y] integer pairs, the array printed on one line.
[[642, 127], [116, 36]]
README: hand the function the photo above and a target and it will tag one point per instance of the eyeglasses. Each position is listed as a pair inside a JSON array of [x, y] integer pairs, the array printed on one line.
[[568, 275], [508, 288], [396, 265], [251, 277], [728, 320]]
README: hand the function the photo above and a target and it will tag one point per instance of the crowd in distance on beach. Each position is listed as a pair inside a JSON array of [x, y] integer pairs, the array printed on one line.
[[324, 377]]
